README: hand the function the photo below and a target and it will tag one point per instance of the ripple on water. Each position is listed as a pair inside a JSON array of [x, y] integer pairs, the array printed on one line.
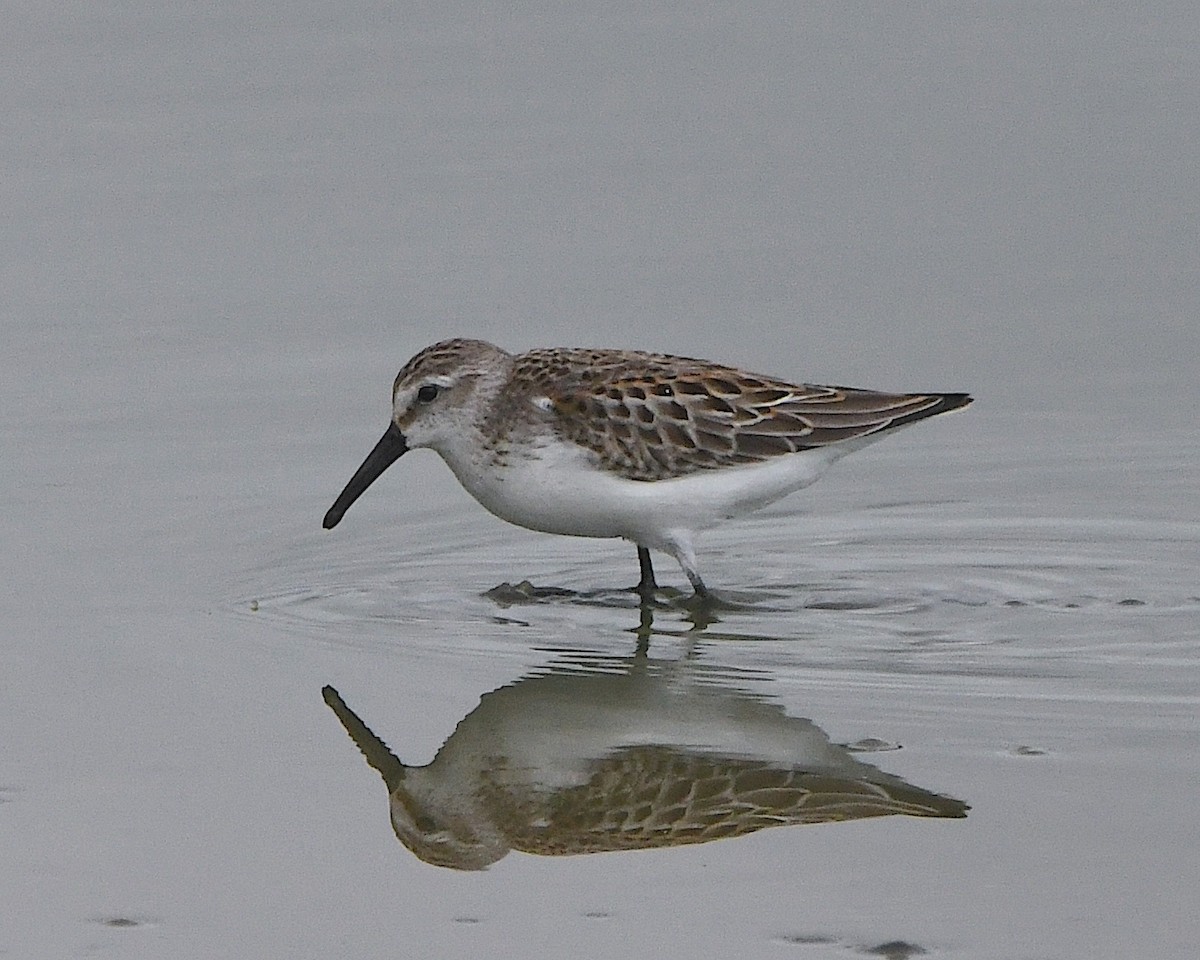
[[920, 588]]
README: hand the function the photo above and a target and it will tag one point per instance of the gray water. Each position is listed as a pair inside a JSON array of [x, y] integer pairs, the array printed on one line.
[[224, 231]]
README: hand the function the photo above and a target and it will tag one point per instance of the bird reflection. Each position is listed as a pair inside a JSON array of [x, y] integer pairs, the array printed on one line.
[[624, 754]]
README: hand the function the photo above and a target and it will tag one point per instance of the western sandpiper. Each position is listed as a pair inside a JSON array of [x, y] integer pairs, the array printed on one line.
[[647, 754], [619, 443]]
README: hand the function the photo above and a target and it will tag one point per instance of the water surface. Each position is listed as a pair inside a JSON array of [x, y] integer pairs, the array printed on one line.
[[948, 704]]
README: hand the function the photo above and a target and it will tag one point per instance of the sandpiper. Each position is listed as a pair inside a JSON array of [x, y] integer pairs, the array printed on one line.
[[620, 443], [645, 754]]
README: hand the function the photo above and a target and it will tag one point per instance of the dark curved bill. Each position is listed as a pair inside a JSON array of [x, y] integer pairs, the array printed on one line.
[[390, 448], [375, 750]]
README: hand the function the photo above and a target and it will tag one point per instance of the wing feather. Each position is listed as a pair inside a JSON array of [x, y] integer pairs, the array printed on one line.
[[653, 416], [655, 796]]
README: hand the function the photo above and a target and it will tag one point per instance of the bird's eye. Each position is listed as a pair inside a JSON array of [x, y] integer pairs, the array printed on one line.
[[427, 393]]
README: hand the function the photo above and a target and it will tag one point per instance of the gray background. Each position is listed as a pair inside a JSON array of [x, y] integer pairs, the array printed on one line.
[[225, 227]]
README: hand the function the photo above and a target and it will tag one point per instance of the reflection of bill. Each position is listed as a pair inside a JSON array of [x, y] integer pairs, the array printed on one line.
[[572, 763]]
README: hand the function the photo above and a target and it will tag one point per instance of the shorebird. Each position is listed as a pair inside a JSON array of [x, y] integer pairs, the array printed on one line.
[[643, 754], [620, 443]]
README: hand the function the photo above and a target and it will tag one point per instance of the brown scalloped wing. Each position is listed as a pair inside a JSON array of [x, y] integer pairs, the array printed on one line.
[[651, 417], [658, 797]]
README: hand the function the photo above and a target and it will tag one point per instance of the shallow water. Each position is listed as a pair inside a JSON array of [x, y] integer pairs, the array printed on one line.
[[947, 704], [1028, 667]]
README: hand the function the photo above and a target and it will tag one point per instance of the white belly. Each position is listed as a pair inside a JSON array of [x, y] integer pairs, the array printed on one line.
[[561, 492]]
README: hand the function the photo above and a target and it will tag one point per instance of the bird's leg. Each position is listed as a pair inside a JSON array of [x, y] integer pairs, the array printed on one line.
[[698, 585], [681, 549], [644, 631], [646, 586]]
